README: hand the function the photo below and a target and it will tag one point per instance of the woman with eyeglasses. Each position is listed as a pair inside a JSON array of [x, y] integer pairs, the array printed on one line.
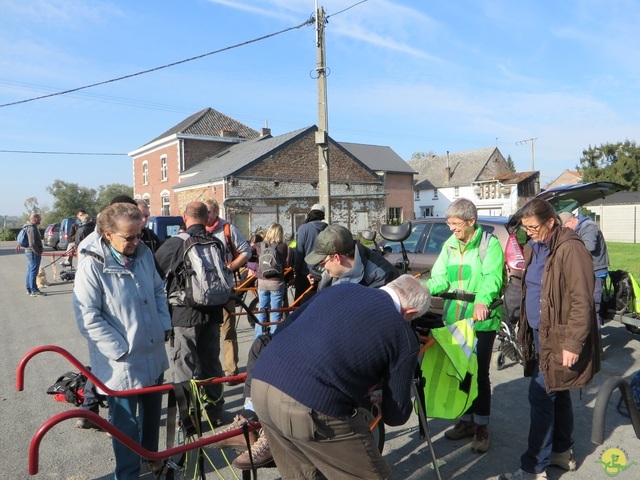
[[121, 309], [559, 336], [472, 264]]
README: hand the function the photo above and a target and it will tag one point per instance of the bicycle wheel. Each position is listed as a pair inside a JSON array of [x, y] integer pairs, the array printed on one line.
[[253, 306]]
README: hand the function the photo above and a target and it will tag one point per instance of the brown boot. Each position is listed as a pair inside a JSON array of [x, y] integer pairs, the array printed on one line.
[[461, 429], [260, 452], [481, 439], [237, 441]]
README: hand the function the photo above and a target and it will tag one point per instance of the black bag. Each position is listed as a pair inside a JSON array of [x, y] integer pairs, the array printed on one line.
[[69, 388], [619, 294], [269, 261]]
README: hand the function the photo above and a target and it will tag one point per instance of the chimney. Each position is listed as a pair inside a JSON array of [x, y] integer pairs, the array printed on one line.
[[447, 170], [226, 133], [265, 132]]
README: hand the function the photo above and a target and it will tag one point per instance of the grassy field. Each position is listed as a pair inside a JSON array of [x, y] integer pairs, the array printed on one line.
[[625, 256]]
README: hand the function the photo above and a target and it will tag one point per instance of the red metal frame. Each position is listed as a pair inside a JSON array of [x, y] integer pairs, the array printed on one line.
[[34, 446]]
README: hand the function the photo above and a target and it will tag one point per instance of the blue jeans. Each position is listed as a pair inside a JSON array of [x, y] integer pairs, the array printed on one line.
[[269, 299], [551, 423], [124, 416], [33, 265]]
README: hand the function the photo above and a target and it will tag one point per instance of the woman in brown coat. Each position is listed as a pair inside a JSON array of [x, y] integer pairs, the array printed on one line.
[[559, 335]]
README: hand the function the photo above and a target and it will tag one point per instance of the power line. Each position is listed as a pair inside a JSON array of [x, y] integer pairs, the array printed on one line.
[[264, 37], [344, 10]]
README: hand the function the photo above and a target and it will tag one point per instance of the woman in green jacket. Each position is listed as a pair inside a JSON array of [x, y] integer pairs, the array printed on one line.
[[472, 263]]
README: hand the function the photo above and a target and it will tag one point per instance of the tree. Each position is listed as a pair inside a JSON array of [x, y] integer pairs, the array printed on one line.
[[69, 197], [107, 192], [612, 162], [511, 164], [421, 155], [31, 205]]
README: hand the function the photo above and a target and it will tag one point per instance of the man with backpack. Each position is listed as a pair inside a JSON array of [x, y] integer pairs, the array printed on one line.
[[33, 249], [238, 253], [195, 337]]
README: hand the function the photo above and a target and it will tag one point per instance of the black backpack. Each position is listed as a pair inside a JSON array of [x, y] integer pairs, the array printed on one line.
[[269, 261], [69, 388]]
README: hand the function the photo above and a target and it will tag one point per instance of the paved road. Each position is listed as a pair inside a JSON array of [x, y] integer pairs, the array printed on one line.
[[71, 454]]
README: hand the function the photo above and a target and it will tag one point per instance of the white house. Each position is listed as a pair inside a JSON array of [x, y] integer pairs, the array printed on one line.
[[482, 176]]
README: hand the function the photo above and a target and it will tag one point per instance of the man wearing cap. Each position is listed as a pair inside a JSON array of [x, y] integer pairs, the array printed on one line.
[[305, 242], [335, 251], [594, 241]]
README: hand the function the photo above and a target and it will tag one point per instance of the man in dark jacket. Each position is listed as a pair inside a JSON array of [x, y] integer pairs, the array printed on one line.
[[149, 238], [305, 242], [87, 226], [195, 341], [307, 395], [594, 241]]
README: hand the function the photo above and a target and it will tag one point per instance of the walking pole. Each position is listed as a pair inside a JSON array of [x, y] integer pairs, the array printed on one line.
[[425, 427]]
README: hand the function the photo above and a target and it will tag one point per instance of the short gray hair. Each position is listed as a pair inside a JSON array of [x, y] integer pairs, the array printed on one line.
[[111, 216], [412, 293], [462, 208]]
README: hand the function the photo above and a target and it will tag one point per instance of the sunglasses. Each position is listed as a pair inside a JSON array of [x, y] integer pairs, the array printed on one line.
[[130, 238]]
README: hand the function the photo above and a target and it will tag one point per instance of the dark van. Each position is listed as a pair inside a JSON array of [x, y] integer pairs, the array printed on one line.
[[165, 226], [65, 232]]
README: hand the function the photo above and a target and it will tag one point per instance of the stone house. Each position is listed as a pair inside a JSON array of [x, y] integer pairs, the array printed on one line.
[[482, 176], [259, 179], [397, 175], [275, 179]]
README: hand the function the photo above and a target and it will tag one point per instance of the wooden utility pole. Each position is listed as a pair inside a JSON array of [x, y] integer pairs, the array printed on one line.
[[533, 141], [322, 135]]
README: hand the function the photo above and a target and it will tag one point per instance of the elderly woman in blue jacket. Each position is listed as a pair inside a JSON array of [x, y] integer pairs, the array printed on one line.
[[121, 310]]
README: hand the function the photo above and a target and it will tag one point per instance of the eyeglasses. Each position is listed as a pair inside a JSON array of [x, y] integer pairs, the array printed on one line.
[[531, 228], [456, 224], [326, 259], [130, 238]]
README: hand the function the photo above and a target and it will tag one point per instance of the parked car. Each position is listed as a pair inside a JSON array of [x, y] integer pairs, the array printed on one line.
[[65, 232], [429, 234], [427, 238], [165, 226], [52, 235]]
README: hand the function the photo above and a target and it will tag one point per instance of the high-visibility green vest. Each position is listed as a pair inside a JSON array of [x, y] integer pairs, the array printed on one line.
[[450, 368]]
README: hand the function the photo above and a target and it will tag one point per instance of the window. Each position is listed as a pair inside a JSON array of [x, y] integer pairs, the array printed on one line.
[[426, 211], [456, 192], [417, 195], [166, 206], [163, 168], [435, 193], [145, 173], [395, 216]]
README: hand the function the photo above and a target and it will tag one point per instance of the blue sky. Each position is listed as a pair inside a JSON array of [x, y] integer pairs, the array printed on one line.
[[415, 75]]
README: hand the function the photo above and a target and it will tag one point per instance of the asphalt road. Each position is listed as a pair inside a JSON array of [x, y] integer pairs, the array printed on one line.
[[72, 454]]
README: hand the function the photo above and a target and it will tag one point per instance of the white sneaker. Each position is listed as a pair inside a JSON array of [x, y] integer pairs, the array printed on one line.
[[522, 475]]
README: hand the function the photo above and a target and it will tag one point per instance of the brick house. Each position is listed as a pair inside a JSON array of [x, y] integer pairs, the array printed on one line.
[[158, 164], [275, 179], [397, 176], [482, 176]]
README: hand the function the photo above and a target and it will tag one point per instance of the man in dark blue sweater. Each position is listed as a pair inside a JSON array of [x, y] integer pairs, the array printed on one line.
[[308, 384]]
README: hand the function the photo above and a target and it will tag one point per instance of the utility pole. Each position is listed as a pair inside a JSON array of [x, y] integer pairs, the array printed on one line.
[[524, 142], [322, 135]]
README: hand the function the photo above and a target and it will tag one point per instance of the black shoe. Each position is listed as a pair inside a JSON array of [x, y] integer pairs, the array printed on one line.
[[216, 416]]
